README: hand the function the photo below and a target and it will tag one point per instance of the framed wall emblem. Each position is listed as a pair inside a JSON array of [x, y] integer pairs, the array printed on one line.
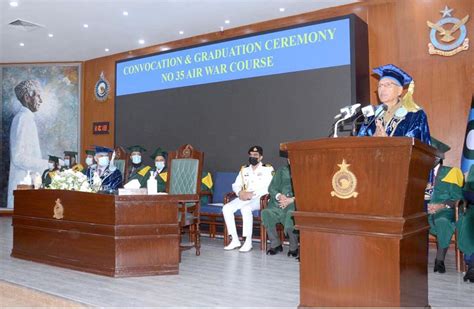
[[102, 88], [448, 36]]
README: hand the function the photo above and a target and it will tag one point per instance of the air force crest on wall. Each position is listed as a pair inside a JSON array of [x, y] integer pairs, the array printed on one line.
[[446, 40], [344, 182], [102, 88]]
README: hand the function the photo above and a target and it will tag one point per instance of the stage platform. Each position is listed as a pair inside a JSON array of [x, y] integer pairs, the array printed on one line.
[[217, 278]]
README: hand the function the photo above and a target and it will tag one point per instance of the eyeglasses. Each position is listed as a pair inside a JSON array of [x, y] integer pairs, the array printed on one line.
[[386, 85]]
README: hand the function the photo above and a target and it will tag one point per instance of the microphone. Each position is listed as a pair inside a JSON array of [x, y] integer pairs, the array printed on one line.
[[379, 112], [368, 111], [348, 111]]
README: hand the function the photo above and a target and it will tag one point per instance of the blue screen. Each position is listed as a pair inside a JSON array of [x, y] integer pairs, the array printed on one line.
[[303, 48]]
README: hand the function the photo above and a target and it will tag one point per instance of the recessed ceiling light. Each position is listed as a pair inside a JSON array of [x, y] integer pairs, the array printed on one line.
[[50, 35], [22, 44], [282, 9], [141, 41], [125, 13], [13, 4], [227, 21], [106, 49], [85, 26], [181, 32]]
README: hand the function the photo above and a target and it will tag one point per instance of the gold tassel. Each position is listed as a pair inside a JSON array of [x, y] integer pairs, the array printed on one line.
[[407, 100]]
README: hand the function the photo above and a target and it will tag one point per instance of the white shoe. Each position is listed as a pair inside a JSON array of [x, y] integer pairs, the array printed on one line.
[[235, 243], [247, 245]]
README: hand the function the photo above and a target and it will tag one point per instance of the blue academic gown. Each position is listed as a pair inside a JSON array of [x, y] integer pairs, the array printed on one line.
[[111, 180], [413, 124], [410, 124]]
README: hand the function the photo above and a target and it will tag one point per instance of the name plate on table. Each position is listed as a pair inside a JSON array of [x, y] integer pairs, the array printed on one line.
[[140, 191]]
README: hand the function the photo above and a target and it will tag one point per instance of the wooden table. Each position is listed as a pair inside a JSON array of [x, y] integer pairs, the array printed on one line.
[[119, 236]]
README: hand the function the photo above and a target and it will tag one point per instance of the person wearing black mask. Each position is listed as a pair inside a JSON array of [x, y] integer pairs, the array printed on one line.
[[251, 183]]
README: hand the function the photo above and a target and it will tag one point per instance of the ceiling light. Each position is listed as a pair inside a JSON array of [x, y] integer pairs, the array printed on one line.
[[22, 44], [86, 26], [181, 32], [282, 9], [13, 4], [227, 21], [106, 49], [125, 13], [141, 41], [50, 35]]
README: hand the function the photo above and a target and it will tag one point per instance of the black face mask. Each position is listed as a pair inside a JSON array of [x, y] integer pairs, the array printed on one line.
[[253, 161]]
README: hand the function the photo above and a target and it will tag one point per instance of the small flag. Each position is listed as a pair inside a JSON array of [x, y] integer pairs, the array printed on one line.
[[468, 150]]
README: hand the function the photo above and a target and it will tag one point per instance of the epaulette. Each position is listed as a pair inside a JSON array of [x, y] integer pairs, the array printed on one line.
[[244, 166], [268, 165], [143, 171]]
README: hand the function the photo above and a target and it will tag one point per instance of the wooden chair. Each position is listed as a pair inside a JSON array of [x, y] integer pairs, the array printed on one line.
[[460, 206], [184, 177], [121, 162], [211, 213], [257, 219]]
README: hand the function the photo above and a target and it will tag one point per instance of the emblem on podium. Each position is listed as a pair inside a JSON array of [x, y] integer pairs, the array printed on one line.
[[58, 210], [444, 39], [344, 182]]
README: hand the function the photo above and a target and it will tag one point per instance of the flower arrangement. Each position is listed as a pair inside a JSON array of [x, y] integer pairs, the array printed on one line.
[[70, 180]]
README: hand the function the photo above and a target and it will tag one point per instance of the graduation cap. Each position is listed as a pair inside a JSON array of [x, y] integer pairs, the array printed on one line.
[[394, 73], [439, 145], [136, 148], [256, 149], [101, 149], [70, 153], [159, 152], [53, 159], [90, 152]]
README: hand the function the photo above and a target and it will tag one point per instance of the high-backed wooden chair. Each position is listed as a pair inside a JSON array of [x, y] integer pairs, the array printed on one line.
[[121, 162], [184, 177]]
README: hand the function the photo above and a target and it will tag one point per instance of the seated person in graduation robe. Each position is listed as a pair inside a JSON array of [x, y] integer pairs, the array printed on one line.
[[137, 169], [89, 159], [465, 226], [70, 161], [48, 174], [446, 192], [159, 171], [110, 177], [280, 210]]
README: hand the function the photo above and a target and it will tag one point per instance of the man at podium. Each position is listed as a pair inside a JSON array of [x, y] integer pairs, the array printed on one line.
[[403, 117]]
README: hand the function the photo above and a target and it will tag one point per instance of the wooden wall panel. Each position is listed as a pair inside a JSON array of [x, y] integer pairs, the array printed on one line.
[[397, 34]]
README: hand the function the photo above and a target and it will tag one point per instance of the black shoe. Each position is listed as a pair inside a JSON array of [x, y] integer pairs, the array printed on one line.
[[293, 253], [469, 275], [439, 267], [273, 251]]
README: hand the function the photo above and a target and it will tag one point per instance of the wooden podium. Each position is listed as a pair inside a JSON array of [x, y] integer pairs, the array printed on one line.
[[363, 230], [120, 236]]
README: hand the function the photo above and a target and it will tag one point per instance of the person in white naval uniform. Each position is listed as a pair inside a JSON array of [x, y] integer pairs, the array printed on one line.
[[251, 183], [25, 150]]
